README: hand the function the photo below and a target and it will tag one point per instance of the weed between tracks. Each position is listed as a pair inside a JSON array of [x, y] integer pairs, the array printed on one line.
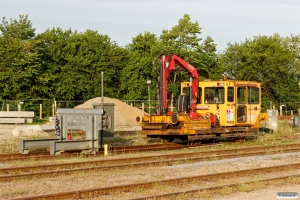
[[9, 146]]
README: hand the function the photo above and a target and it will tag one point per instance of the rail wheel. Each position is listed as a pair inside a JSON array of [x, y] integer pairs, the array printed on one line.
[[195, 142]]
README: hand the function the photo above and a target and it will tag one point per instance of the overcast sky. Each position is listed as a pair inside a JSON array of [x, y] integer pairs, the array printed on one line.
[[224, 20]]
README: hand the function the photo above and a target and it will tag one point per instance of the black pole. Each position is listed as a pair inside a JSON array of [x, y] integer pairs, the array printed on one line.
[[102, 102]]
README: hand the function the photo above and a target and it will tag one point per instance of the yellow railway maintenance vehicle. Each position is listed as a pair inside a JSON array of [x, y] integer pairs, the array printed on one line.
[[205, 109]]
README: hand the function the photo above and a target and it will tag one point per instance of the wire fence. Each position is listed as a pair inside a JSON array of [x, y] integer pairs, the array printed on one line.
[[45, 107], [144, 105], [41, 107], [284, 109]]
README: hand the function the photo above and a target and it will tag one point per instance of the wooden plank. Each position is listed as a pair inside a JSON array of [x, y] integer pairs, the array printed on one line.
[[16, 113], [12, 120]]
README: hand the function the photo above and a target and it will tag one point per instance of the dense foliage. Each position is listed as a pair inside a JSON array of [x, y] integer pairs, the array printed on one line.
[[66, 65], [273, 60]]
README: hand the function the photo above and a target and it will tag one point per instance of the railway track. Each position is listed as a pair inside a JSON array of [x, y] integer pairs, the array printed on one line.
[[29, 172], [173, 187], [112, 150], [33, 156]]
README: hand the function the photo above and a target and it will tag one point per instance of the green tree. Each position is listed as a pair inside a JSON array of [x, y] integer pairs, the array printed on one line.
[[75, 61], [268, 60], [53, 43], [184, 40], [292, 42], [20, 60], [139, 68]]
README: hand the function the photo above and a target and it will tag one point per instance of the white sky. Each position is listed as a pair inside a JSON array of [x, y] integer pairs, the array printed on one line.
[[224, 20]]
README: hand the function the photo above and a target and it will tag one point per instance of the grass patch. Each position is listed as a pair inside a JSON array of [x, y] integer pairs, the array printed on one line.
[[285, 134], [225, 191], [245, 188], [12, 193], [9, 145], [39, 121]]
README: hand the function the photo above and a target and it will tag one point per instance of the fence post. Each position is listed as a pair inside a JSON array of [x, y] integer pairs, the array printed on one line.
[[52, 110], [143, 107], [292, 114], [41, 110], [19, 107], [7, 107], [280, 110]]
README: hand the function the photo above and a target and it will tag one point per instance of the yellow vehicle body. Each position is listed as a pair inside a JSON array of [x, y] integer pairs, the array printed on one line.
[[227, 108]]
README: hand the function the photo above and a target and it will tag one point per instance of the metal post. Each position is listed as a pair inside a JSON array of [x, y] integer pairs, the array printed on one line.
[[102, 97], [149, 97], [102, 106], [280, 109], [149, 83], [54, 108], [105, 149]]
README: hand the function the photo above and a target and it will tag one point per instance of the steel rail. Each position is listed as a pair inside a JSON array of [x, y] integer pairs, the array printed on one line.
[[205, 189], [121, 150], [259, 150], [126, 149], [91, 193], [114, 150], [136, 162]]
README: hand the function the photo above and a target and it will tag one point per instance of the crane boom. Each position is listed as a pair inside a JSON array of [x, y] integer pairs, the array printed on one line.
[[168, 64]]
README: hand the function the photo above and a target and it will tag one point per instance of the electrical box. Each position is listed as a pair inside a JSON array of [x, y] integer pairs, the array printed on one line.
[[108, 118]]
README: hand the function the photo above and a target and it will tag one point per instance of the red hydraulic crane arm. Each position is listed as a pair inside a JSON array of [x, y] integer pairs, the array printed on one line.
[[168, 65]]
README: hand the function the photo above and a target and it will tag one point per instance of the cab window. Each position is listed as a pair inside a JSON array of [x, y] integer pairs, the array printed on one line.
[[230, 94], [253, 95], [214, 95], [186, 90]]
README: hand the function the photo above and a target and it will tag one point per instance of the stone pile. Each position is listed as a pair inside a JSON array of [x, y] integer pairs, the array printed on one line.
[[124, 114]]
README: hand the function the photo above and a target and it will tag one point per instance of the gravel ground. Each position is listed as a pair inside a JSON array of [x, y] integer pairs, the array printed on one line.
[[84, 180], [6, 131], [78, 181], [266, 194]]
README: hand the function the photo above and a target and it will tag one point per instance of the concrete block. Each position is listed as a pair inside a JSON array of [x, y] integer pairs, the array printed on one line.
[[272, 122], [51, 119], [17, 114], [12, 120], [46, 127], [296, 121], [21, 129], [28, 120]]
